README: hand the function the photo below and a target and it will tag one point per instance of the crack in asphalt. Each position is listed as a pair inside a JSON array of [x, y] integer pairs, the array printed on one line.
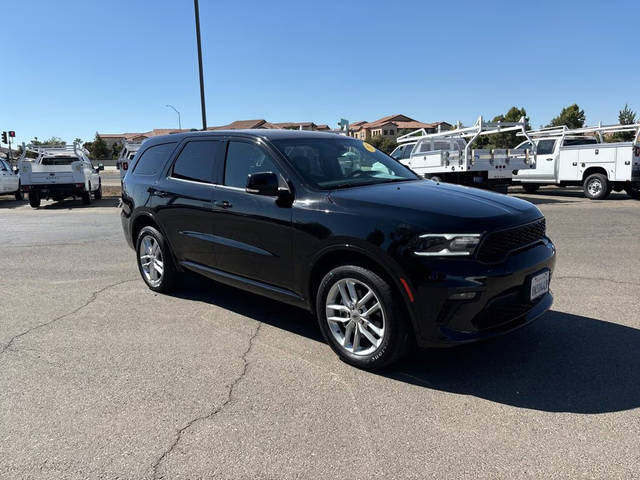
[[599, 279], [91, 299], [212, 413]]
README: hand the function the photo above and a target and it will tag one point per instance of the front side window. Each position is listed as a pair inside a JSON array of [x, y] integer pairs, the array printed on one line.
[[545, 147], [153, 159], [196, 161], [341, 162], [244, 159]]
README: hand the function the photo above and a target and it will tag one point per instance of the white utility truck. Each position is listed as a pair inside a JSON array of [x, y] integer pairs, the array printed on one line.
[[58, 172], [9, 180], [447, 155], [568, 157], [125, 158]]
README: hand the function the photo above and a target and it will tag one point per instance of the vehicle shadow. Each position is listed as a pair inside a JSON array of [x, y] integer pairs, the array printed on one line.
[[562, 195], [73, 204], [560, 363], [7, 201]]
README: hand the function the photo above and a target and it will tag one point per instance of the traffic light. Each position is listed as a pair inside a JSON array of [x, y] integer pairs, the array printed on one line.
[[12, 134], [4, 137]]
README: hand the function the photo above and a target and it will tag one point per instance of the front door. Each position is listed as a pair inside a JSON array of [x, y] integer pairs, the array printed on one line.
[[546, 157], [253, 233], [5, 175]]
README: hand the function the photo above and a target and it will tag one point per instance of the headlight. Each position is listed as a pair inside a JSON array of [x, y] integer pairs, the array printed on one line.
[[447, 244]]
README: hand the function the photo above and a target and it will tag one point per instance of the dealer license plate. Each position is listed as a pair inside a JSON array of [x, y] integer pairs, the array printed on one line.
[[539, 285]]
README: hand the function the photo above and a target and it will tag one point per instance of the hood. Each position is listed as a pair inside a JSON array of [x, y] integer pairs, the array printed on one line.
[[438, 207]]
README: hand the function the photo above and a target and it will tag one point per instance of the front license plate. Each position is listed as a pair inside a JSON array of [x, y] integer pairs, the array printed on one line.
[[539, 285]]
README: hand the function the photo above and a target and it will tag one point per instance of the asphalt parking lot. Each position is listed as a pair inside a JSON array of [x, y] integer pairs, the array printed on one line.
[[102, 378]]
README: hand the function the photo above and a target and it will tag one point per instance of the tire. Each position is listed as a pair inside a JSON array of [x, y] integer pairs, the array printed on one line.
[[86, 196], [596, 187], [19, 195], [386, 327], [152, 243], [530, 187], [97, 195], [633, 192], [436, 179], [34, 199]]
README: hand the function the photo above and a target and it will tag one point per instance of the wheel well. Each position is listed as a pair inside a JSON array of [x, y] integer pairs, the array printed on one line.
[[346, 257], [592, 170], [139, 223]]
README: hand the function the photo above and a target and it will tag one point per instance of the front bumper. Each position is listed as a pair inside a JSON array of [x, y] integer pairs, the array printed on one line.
[[501, 302]]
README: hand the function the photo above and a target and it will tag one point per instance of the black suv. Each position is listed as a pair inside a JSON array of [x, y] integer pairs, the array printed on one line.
[[331, 224]]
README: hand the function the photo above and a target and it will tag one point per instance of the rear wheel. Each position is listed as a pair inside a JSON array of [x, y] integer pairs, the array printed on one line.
[[155, 262], [97, 195], [596, 187], [18, 194], [360, 318], [34, 199], [530, 187], [86, 196], [633, 191], [435, 178]]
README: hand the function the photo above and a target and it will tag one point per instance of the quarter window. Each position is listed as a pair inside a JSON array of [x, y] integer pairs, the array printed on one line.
[[152, 159], [196, 161], [244, 159]]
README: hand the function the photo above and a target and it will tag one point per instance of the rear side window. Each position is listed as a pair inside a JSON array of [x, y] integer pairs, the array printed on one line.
[[545, 147], [153, 159], [243, 159], [568, 142], [407, 151], [196, 161]]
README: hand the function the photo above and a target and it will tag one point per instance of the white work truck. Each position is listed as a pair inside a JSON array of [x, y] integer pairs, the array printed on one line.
[[447, 155], [9, 180], [58, 172], [125, 158], [580, 157]]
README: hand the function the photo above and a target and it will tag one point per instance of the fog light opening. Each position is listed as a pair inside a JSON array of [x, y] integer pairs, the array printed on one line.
[[463, 296]]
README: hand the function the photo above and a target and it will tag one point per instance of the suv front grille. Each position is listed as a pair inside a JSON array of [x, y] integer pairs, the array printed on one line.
[[496, 245]]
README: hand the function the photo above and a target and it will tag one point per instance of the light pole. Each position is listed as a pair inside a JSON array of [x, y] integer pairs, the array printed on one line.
[[176, 110], [202, 106]]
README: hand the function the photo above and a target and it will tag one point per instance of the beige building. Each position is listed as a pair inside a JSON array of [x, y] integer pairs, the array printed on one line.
[[392, 126]]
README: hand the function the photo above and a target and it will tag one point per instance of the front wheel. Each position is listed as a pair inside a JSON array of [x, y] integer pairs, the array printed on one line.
[[34, 199], [596, 187], [86, 196], [530, 187], [155, 261], [18, 194], [633, 191], [360, 318], [97, 195]]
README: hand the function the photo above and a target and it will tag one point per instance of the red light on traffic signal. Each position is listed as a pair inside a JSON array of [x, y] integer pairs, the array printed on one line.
[[12, 133]]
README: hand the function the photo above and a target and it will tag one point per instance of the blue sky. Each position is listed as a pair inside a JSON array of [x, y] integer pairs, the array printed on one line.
[[78, 67]]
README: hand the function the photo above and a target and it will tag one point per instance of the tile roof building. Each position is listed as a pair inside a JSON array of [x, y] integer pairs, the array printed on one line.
[[392, 126]]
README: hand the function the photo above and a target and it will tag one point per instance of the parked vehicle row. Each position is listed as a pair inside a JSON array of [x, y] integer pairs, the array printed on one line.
[[58, 172], [332, 225]]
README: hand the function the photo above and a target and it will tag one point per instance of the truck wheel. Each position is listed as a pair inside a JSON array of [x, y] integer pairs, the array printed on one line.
[[436, 179], [530, 187], [97, 195], [34, 199], [155, 261], [19, 195], [596, 187], [633, 191], [361, 318], [86, 196]]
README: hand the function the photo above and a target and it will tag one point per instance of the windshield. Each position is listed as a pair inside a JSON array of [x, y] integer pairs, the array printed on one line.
[[59, 160], [328, 163]]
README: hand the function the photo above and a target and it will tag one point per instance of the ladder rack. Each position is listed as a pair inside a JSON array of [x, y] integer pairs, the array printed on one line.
[[599, 129]]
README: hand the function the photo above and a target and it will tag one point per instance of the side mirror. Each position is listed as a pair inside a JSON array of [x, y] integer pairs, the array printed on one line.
[[262, 183], [16, 170], [100, 167]]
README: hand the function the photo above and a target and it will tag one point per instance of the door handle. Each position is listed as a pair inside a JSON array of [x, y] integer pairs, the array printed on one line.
[[158, 193], [549, 159], [223, 204]]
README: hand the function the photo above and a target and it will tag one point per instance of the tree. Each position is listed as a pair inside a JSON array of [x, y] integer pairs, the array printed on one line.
[[49, 141], [626, 116], [98, 148], [78, 141], [570, 116], [503, 140], [115, 150], [385, 144]]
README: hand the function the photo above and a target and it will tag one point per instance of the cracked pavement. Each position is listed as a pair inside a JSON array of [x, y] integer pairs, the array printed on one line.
[[102, 378]]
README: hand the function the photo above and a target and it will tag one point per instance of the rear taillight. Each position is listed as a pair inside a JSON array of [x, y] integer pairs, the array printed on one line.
[[636, 151], [125, 166], [25, 188]]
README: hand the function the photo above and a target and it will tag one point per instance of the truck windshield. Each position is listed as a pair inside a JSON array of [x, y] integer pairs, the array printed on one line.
[[329, 163], [58, 160]]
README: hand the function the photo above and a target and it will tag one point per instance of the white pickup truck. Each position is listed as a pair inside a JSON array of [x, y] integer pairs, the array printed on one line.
[[9, 180], [447, 156], [125, 158], [58, 172], [580, 157]]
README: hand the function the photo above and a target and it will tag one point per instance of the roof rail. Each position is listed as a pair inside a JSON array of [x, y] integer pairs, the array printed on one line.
[[599, 129]]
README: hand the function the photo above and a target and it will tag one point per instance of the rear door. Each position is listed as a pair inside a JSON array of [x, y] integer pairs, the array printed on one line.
[[253, 233], [183, 200]]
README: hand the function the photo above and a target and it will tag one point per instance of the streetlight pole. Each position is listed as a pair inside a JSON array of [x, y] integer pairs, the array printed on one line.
[[202, 106], [176, 110]]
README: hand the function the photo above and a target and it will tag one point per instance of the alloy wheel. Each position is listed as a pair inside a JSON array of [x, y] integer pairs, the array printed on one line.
[[151, 261], [595, 186], [355, 316]]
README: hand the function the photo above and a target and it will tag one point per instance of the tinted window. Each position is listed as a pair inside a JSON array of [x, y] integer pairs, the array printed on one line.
[[568, 142], [153, 159], [196, 161], [4, 166], [524, 146], [243, 159], [398, 152], [407, 151], [545, 147]]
